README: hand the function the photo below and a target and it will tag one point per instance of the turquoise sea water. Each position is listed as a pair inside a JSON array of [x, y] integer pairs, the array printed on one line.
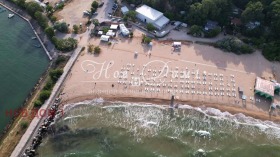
[[117, 129], [21, 64]]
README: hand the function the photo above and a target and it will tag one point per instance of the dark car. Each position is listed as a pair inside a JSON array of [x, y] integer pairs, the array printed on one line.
[[101, 4]]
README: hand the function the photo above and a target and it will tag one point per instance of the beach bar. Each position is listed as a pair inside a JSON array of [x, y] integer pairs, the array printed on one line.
[[264, 88]]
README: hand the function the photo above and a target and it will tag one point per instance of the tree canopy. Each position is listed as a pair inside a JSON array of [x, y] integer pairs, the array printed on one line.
[[33, 7], [253, 12]]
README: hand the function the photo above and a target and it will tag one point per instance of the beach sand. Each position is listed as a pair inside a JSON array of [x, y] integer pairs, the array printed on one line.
[[118, 73]]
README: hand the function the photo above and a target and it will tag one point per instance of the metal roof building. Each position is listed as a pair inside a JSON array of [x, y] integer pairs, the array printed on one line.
[[150, 15], [264, 88]]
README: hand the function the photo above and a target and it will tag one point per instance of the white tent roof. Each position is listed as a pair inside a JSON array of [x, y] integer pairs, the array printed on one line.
[[110, 33], [149, 12], [161, 21], [104, 38], [177, 43], [114, 27], [124, 10]]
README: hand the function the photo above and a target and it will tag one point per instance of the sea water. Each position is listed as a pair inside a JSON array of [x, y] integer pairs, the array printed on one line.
[[21, 64], [118, 129]]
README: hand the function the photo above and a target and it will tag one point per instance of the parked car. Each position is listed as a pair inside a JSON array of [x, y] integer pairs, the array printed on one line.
[[101, 4], [95, 13], [86, 13]]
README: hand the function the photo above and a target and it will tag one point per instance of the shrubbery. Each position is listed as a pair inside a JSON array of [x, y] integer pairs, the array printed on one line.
[[61, 27], [212, 33], [272, 51], [50, 32], [150, 27], [32, 8], [196, 31], [46, 92], [234, 45], [97, 50], [24, 125], [66, 45], [75, 29], [55, 74], [146, 39], [44, 95]]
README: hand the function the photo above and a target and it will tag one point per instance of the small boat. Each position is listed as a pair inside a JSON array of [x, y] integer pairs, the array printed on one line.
[[33, 38], [38, 46], [11, 15]]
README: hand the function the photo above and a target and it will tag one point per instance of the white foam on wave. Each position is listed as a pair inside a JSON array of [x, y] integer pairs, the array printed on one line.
[[203, 133], [68, 107], [77, 116], [268, 127]]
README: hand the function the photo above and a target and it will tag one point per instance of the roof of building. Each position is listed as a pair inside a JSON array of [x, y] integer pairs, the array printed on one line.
[[161, 21], [211, 25], [236, 21], [114, 26], [264, 87], [149, 12], [124, 9]]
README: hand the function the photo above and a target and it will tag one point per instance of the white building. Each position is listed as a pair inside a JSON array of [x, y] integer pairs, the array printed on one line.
[[150, 15], [124, 10], [124, 30]]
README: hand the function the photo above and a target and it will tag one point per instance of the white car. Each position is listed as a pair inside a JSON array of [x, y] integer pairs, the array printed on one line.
[[86, 13]]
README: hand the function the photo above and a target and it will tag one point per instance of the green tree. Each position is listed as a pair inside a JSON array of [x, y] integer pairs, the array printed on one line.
[[49, 85], [50, 32], [196, 15], [55, 74], [44, 95], [97, 50], [131, 15], [253, 12], [196, 30], [95, 22], [24, 125], [33, 7], [146, 39], [150, 27], [21, 3], [274, 14], [61, 27], [65, 45], [37, 103], [49, 9], [94, 4], [76, 29], [42, 19], [272, 51]]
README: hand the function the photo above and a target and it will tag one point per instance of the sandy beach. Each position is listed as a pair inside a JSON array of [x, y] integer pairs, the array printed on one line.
[[198, 75]]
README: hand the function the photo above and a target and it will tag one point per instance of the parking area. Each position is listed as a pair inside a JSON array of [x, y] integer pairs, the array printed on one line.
[[73, 12]]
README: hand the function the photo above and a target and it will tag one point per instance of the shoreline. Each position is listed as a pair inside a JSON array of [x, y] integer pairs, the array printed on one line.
[[158, 101]]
